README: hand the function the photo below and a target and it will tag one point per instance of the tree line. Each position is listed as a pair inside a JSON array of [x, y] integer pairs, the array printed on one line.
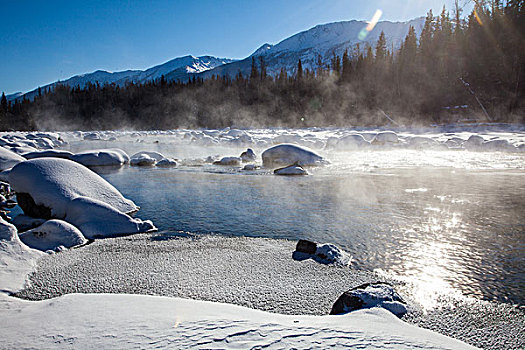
[[458, 68]]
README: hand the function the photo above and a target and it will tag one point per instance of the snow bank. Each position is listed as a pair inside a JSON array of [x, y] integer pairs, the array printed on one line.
[[125, 321], [96, 219], [16, 259], [286, 154], [53, 235], [53, 183], [8, 159], [102, 157]]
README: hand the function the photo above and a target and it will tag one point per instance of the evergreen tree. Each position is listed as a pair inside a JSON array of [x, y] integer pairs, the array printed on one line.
[[299, 70], [381, 51], [347, 67], [3, 103], [254, 73]]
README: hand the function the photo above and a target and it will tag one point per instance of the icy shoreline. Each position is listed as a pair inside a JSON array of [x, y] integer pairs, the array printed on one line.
[[140, 321], [257, 273]]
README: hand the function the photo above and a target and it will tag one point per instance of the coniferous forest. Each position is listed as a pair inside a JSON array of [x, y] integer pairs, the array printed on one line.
[[460, 68]]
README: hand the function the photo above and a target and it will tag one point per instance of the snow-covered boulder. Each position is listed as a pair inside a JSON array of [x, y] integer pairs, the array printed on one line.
[[8, 159], [248, 156], [143, 160], [8, 231], [101, 157], [53, 235], [474, 142], [351, 142], [96, 219], [498, 146], [291, 170], [286, 154], [370, 295], [231, 161], [155, 155], [326, 253], [166, 163], [421, 142], [48, 185], [385, 138], [48, 154], [250, 167]]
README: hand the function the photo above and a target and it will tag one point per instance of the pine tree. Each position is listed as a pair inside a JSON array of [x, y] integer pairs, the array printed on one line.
[[381, 51], [299, 70], [347, 67], [254, 73], [3, 103]]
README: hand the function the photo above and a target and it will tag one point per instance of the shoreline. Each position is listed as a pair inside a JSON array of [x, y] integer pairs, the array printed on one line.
[[258, 273]]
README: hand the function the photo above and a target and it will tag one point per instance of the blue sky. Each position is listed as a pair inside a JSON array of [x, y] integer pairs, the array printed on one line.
[[44, 41]]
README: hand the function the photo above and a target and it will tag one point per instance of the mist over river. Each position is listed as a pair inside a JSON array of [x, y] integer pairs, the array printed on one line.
[[444, 220]]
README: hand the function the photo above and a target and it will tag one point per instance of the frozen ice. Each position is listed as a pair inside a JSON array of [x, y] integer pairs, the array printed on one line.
[[52, 235]]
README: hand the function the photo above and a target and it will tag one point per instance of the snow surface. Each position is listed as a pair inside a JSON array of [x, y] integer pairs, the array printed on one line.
[[48, 154], [55, 182], [132, 321], [8, 159]]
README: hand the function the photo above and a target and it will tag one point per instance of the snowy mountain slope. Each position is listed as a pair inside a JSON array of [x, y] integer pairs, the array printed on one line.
[[178, 67], [324, 40]]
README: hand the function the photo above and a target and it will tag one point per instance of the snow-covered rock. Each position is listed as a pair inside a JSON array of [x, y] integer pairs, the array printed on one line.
[[48, 154], [101, 157], [291, 170], [155, 155], [8, 159], [326, 253], [52, 183], [248, 156], [286, 154], [385, 138], [231, 161], [498, 145], [53, 235], [351, 142], [143, 160], [474, 142], [166, 163], [8, 231], [370, 295], [96, 219], [250, 167]]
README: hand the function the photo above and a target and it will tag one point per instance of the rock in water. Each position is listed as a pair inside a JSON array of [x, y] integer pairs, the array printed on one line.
[[248, 156], [291, 170], [231, 161], [102, 157], [50, 184], [167, 163], [370, 295], [52, 235], [8, 159], [286, 154]]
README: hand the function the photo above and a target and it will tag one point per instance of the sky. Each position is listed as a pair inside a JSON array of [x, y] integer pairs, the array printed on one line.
[[45, 41]]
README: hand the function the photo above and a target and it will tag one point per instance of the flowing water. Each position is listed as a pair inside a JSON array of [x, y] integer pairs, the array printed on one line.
[[445, 221]]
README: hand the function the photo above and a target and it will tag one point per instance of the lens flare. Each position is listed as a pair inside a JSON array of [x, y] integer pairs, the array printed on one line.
[[364, 32], [478, 18]]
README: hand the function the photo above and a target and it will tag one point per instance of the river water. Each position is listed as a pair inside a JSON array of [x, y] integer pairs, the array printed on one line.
[[446, 221]]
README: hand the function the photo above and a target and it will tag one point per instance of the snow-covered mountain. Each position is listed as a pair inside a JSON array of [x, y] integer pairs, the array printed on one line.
[[323, 40], [175, 69]]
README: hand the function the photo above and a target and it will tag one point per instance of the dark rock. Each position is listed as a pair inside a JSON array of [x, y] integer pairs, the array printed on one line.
[[368, 295], [30, 208], [304, 246], [248, 156]]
